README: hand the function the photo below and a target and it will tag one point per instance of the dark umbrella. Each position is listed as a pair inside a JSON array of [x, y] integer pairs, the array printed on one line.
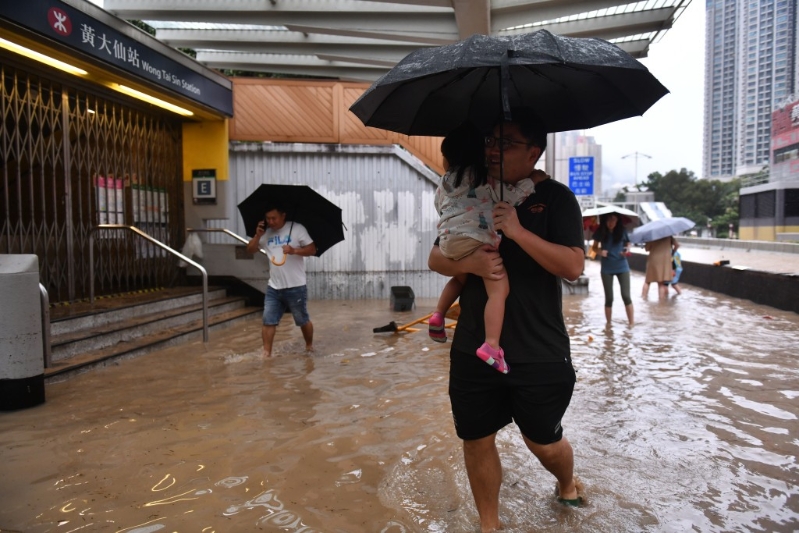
[[569, 83], [320, 216], [659, 229]]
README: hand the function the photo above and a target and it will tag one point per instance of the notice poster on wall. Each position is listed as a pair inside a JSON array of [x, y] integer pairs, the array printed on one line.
[[110, 203], [151, 215]]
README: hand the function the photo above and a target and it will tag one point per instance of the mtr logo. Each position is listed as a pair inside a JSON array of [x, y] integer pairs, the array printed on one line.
[[59, 21]]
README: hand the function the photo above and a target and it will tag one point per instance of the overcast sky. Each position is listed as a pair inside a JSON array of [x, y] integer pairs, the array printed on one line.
[[671, 130]]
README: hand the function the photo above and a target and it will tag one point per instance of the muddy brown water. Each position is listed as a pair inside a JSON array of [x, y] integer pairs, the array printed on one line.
[[685, 422]]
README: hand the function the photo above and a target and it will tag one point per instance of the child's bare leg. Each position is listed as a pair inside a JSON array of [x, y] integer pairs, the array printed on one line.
[[494, 316], [495, 309], [452, 290]]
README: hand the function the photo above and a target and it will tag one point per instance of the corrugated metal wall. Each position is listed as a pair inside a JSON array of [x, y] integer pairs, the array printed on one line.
[[386, 196]]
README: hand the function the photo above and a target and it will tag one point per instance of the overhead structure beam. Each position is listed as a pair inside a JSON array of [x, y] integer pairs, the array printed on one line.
[[286, 64], [284, 42], [441, 37], [606, 27], [362, 39], [472, 17]]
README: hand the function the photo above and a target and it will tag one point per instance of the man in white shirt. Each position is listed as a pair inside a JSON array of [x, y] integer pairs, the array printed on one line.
[[287, 244]]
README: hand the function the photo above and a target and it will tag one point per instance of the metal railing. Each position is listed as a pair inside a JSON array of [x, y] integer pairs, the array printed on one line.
[[161, 245], [46, 326], [226, 232]]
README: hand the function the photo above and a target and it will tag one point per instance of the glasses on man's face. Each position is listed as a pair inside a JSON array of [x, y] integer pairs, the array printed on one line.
[[504, 144]]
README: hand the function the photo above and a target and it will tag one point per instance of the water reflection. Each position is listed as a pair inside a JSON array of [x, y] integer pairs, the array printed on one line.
[[686, 421]]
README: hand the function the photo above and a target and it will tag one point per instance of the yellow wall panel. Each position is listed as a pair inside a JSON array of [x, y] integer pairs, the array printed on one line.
[[205, 145]]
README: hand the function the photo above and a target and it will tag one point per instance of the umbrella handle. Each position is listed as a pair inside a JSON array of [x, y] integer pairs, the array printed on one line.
[[284, 255]]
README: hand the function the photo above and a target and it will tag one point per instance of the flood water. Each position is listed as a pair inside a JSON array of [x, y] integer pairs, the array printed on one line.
[[685, 422]]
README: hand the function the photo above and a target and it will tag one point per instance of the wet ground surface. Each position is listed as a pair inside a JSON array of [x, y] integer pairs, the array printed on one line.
[[687, 421], [775, 262]]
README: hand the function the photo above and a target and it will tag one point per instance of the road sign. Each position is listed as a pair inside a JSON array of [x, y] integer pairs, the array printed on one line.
[[581, 175], [587, 202]]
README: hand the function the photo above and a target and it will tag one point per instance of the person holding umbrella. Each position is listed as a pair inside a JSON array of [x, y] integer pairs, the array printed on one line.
[[542, 243], [464, 200], [287, 244], [658, 266], [657, 235], [611, 244]]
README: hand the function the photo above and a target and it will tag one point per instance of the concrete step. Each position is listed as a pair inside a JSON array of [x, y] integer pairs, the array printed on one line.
[[149, 319], [135, 347], [106, 310]]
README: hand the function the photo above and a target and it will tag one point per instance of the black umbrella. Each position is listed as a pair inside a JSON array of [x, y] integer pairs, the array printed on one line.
[[320, 216], [569, 83]]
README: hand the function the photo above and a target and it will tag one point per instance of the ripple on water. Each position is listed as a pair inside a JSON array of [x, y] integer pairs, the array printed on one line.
[[685, 422]]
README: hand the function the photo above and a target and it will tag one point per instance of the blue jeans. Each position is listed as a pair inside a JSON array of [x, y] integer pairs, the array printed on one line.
[[276, 301]]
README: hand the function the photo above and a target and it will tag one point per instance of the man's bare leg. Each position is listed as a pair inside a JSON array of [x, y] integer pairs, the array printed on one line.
[[268, 336], [307, 334], [558, 459], [485, 477]]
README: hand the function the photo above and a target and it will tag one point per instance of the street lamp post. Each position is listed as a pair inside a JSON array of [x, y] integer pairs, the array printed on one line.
[[636, 155]]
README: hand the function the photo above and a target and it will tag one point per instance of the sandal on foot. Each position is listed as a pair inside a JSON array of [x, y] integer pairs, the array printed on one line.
[[576, 502], [495, 358], [435, 327], [579, 501]]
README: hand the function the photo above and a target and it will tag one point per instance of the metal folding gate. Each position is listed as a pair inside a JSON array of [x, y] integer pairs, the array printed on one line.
[[71, 160]]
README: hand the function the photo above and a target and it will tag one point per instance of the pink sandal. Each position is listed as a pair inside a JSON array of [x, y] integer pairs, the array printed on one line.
[[436, 327], [495, 358]]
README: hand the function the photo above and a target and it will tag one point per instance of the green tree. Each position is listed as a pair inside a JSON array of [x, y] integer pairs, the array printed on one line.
[[621, 195], [143, 26], [698, 200]]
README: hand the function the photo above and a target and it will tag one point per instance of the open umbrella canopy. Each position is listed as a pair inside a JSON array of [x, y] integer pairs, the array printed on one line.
[[659, 229], [320, 216], [591, 216], [569, 83]]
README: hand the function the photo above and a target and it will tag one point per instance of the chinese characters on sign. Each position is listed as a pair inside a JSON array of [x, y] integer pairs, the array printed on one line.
[[126, 50], [581, 180], [119, 51], [581, 175]]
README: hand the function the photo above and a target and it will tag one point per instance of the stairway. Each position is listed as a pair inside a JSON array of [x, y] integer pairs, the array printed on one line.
[[85, 336]]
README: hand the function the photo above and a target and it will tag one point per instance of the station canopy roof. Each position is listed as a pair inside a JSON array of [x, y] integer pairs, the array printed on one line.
[[359, 40]]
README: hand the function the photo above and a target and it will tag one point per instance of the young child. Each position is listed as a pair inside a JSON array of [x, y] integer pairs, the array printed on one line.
[[676, 265], [464, 200]]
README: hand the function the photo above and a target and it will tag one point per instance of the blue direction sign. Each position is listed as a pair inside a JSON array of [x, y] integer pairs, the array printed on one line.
[[581, 175]]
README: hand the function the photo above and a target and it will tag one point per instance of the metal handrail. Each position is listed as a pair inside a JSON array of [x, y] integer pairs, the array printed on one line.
[[227, 232], [163, 246], [46, 326]]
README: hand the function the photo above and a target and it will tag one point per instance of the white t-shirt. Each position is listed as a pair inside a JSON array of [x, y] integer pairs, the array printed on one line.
[[292, 272]]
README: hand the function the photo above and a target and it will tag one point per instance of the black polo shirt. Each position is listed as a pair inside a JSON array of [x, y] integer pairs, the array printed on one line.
[[533, 330]]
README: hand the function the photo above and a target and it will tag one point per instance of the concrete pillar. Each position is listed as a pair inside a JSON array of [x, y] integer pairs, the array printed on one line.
[[21, 348]]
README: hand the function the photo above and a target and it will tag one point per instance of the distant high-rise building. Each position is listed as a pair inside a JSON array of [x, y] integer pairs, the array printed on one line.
[[751, 67], [573, 144]]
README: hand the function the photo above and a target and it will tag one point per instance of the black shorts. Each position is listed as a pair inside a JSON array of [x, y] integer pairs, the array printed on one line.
[[534, 395]]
